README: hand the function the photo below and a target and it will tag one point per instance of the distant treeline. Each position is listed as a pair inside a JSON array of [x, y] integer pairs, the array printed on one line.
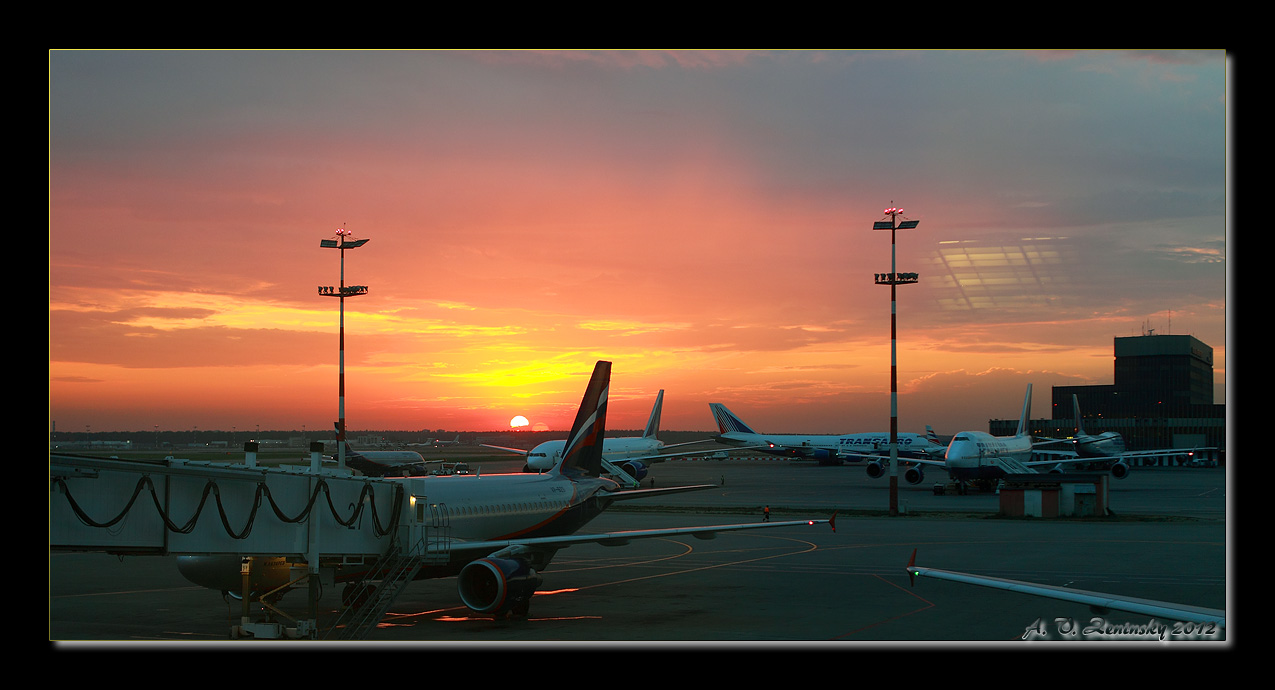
[[186, 437]]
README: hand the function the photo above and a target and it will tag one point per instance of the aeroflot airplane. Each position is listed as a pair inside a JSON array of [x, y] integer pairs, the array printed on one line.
[[828, 450], [625, 457], [505, 528]]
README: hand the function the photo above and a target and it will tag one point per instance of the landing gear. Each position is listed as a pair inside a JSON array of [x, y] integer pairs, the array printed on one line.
[[354, 597]]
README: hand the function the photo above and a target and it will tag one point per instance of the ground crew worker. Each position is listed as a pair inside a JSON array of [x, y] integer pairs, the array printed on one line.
[[765, 514]]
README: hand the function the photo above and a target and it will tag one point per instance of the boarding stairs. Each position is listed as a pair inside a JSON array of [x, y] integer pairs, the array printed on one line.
[[389, 576], [372, 596], [1012, 466]]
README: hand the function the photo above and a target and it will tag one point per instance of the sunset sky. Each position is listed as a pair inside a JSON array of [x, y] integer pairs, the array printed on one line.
[[701, 219]]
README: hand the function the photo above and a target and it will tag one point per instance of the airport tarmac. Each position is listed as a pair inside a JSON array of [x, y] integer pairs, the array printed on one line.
[[789, 587]]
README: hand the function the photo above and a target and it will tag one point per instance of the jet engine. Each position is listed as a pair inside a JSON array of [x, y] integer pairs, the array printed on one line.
[[914, 474], [875, 469], [826, 458], [1057, 469], [1120, 470], [634, 468], [498, 585]]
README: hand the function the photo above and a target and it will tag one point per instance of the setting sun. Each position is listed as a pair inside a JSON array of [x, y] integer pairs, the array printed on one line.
[[518, 421]]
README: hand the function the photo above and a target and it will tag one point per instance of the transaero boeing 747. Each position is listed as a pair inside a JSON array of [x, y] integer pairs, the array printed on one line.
[[504, 529], [828, 450]]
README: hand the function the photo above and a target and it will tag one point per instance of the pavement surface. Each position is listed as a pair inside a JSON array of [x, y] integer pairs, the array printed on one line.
[[785, 588]]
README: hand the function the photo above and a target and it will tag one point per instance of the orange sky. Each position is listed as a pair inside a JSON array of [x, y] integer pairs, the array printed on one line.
[[701, 220]]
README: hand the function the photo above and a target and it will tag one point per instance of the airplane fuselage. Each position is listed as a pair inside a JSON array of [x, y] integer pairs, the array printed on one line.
[[827, 447], [392, 457], [474, 508], [378, 463], [1108, 444], [506, 506], [544, 456], [975, 455]]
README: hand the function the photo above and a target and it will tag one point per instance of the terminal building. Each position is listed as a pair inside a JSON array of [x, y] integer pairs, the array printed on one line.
[[1162, 397]]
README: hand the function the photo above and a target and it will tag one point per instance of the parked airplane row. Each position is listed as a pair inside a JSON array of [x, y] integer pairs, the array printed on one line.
[[971, 456], [504, 528], [498, 555]]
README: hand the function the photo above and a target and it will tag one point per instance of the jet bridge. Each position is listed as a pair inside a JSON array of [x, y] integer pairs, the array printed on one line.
[[308, 515]]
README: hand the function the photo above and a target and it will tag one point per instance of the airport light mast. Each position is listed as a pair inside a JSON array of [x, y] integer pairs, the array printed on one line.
[[341, 291], [894, 279]]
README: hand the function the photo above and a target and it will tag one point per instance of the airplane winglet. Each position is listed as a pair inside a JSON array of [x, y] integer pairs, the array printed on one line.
[[832, 521], [912, 573]]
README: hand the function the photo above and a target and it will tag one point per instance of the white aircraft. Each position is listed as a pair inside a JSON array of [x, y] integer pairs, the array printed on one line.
[[977, 456], [1109, 445], [1097, 601], [438, 443], [828, 450], [504, 529], [626, 457]]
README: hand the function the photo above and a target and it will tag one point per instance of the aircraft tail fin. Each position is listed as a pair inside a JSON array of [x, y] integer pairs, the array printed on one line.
[[1027, 411], [727, 421], [357, 461], [930, 435], [653, 424], [1075, 408], [582, 455]]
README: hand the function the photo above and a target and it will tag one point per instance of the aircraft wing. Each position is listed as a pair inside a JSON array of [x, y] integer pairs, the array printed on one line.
[[913, 458], [1056, 457], [1061, 458], [1059, 454], [1096, 600], [690, 443], [372, 468], [506, 547], [1163, 452], [647, 493], [408, 468], [658, 456], [1043, 442], [519, 451]]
